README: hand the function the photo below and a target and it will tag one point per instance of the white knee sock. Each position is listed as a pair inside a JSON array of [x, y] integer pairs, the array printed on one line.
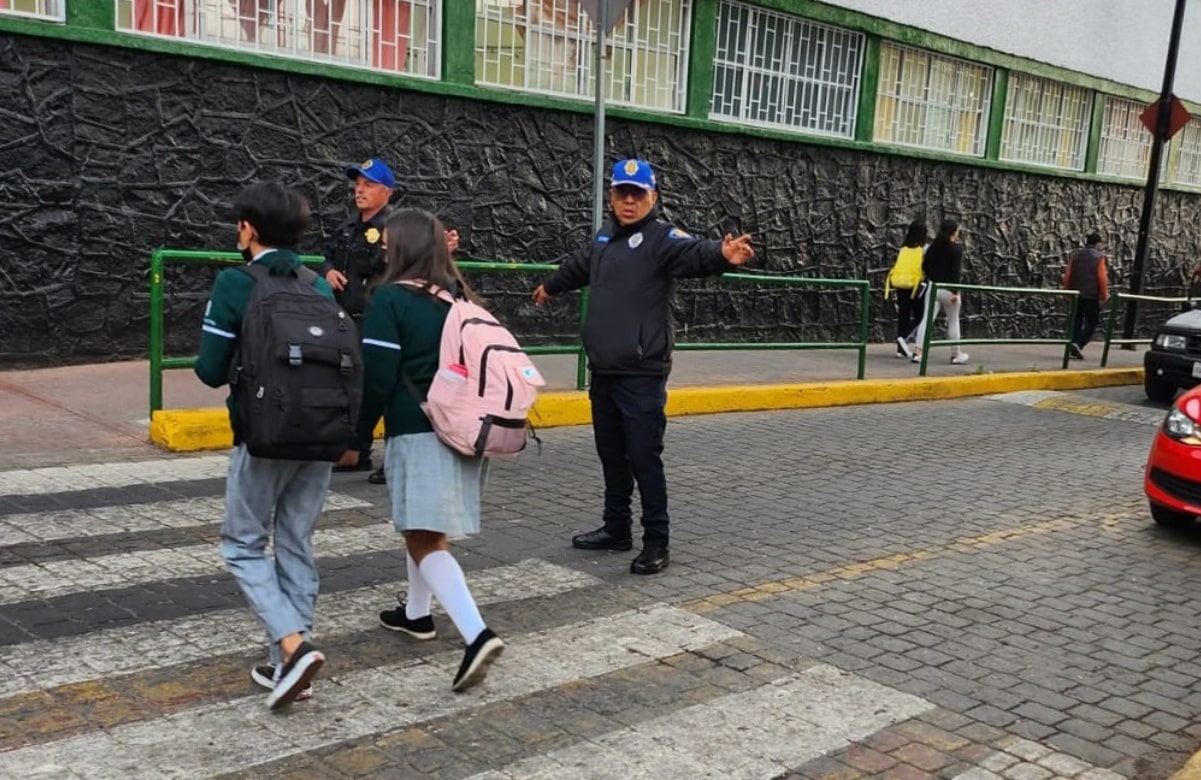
[[417, 601], [444, 577]]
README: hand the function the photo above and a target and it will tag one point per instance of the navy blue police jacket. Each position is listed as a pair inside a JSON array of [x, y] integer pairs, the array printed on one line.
[[631, 272]]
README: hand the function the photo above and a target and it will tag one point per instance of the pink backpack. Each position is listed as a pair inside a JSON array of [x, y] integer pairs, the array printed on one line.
[[481, 396]]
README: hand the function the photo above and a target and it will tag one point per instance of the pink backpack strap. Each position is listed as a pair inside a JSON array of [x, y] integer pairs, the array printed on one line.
[[433, 289]]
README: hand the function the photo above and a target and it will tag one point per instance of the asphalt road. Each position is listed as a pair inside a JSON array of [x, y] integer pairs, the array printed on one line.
[[958, 589]]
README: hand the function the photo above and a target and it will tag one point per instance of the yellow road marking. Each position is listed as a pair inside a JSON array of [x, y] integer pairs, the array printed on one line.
[[970, 544]]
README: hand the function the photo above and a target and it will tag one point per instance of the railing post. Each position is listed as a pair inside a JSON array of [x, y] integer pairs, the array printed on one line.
[[1113, 313], [1072, 307], [928, 323], [156, 332], [864, 300]]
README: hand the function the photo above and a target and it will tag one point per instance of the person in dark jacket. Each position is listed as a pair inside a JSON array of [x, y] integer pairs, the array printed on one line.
[[1087, 274], [943, 264], [631, 267], [354, 260]]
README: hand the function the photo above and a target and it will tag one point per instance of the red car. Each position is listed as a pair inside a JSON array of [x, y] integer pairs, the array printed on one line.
[[1172, 480]]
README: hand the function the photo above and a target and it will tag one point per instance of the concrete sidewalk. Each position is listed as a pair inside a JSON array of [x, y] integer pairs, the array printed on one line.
[[68, 414]]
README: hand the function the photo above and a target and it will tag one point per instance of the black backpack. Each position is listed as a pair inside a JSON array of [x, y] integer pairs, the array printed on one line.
[[297, 377]]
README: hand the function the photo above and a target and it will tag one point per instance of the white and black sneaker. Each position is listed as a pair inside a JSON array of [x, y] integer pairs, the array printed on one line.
[[903, 349], [479, 656], [295, 676], [264, 675], [398, 620]]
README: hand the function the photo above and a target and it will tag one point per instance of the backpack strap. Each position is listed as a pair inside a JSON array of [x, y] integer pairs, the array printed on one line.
[[420, 284], [256, 271]]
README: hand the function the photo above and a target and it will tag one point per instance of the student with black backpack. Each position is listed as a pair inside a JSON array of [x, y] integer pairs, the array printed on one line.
[[291, 358]]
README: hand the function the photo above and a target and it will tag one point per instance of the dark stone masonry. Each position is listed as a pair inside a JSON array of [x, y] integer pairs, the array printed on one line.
[[108, 153]]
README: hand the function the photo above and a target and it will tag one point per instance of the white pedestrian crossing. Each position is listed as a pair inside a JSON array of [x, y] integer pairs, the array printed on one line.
[[130, 518], [44, 664], [242, 733], [62, 479], [758, 734]]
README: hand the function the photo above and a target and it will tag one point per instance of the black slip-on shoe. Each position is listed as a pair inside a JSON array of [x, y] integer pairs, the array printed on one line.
[[398, 620], [295, 676], [486, 648], [601, 539], [264, 676], [652, 560], [377, 477]]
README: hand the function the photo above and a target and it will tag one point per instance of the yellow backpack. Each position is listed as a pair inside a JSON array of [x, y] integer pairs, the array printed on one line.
[[906, 272]]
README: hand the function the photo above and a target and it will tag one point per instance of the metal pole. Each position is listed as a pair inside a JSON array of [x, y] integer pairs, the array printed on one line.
[[1157, 144], [598, 166]]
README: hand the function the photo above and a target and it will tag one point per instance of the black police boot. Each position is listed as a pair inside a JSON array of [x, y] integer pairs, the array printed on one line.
[[601, 539], [652, 560]]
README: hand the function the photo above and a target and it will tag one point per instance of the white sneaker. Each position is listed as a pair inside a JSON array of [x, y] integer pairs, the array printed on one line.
[[903, 348], [917, 356], [960, 359]]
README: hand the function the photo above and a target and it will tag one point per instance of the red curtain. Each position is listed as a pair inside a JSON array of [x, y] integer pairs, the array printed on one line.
[[390, 38], [327, 18], [165, 17]]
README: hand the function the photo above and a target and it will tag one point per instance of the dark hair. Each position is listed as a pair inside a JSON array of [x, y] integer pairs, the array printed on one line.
[[417, 250], [1093, 238], [946, 229], [916, 234], [278, 214]]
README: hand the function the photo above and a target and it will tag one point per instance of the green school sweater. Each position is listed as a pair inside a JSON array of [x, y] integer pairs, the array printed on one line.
[[222, 326], [402, 331]]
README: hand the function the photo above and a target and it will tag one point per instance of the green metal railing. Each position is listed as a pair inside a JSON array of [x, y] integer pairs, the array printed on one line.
[[162, 257], [1112, 316], [931, 297]]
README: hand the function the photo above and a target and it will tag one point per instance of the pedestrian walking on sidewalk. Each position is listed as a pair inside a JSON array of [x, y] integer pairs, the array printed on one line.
[[1086, 273], [630, 268], [943, 264], [268, 500], [906, 278], [354, 261], [434, 491]]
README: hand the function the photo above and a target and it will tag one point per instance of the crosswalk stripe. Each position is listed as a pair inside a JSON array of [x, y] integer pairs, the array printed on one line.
[[57, 479], [130, 518], [754, 735], [241, 733], [45, 664], [57, 578]]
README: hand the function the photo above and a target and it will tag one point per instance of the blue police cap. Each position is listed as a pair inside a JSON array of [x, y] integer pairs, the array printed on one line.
[[375, 170], [634, 172]]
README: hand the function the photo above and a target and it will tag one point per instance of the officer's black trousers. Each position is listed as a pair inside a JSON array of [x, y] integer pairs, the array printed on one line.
[[628, 421]]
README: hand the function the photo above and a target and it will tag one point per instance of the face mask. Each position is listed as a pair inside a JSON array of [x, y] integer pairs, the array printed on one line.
[[247, 255]]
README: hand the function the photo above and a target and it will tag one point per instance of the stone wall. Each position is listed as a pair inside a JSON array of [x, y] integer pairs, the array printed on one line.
[[107, 153]]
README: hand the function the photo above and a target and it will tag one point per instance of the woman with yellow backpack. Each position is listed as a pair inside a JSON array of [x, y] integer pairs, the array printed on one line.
[[905, 277]]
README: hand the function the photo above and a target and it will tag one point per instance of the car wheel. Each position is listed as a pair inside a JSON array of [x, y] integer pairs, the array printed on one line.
[[1164, 516], [1157, 389]]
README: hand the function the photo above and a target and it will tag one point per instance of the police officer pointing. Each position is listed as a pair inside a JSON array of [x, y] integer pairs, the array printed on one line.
[[630, 267]]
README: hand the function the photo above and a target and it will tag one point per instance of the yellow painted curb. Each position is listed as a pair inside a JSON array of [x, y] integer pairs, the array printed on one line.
[[1191, 770], [188, 430]]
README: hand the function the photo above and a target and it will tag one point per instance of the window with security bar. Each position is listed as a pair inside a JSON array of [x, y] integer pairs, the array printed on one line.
[[397, 36], [1125, 142], [1046, 122], [932, 102], [778, 70], [39, 9], [547, 46], [1186, 167]]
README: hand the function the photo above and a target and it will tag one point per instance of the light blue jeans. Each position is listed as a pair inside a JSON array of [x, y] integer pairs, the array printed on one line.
[[285, 497]]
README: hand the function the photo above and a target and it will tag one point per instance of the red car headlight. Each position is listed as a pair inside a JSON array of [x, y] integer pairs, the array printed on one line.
[[1182, 422]]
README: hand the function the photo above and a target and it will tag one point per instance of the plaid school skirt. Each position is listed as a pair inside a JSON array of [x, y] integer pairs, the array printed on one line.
[[432, 487]]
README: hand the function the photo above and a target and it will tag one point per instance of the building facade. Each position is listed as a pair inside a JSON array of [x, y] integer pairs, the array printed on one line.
[[818, 127]]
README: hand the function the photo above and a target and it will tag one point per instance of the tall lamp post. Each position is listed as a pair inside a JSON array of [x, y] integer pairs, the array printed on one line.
[[1161, 132]]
